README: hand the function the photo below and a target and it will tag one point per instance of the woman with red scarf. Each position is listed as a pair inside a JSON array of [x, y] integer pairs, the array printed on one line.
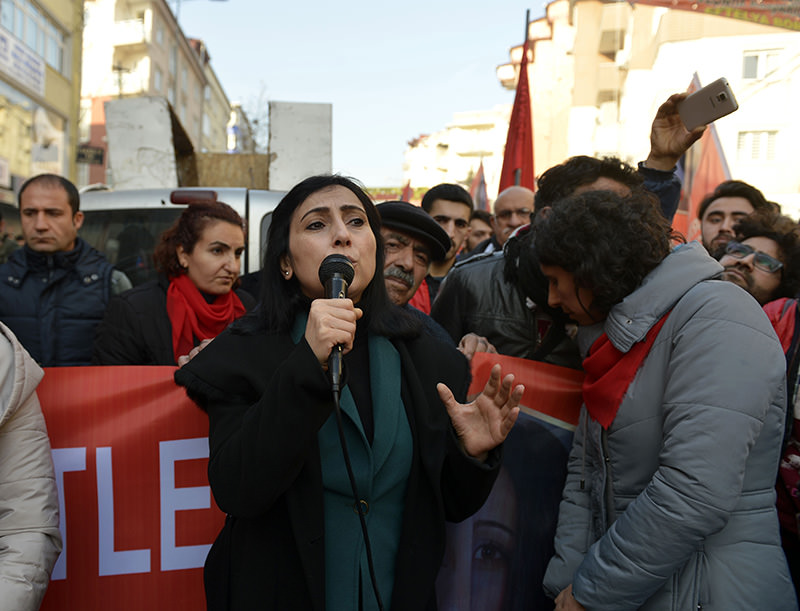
[[669, 501], [194, 298]]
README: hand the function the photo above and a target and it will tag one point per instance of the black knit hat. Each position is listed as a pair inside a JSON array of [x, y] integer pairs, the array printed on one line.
[[414, 221]]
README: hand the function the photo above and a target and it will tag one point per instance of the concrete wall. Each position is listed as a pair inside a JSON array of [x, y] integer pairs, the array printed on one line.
[[300, 142]]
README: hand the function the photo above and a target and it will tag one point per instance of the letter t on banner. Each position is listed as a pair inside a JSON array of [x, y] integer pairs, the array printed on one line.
[[518, 156]]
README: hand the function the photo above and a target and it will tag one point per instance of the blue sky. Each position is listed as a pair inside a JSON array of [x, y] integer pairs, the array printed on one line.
[[391, 72]]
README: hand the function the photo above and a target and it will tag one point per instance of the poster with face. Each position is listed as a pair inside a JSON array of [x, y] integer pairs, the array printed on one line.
[[496, 559]]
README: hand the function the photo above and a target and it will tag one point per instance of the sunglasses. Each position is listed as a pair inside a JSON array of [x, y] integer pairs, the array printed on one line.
[[761, 260]]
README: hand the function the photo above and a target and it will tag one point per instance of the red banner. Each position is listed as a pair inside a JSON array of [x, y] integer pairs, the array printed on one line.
[[137, 517], [131, 452]]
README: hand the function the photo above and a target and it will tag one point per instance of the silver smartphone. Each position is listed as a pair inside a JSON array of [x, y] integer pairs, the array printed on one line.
[[707, 104]]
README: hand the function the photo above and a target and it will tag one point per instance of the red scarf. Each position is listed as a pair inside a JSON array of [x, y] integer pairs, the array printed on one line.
[[609, 372], [422, 298], [193, 317]]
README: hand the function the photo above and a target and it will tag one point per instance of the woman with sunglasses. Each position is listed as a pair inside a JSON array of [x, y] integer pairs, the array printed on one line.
[[669, 501]]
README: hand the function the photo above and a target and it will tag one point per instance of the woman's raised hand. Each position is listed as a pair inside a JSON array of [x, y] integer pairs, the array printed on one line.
[[331, 322], [483, 424]]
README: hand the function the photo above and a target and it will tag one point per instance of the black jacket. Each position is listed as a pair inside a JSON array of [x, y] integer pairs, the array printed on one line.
[[136, 329], [54, 302], [267, 399]]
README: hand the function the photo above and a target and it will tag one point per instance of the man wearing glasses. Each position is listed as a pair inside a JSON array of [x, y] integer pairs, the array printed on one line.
[[764, 259], [512, 209], [764, 256]]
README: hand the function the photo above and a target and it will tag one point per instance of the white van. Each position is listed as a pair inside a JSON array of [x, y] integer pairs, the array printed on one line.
[[125, 225]]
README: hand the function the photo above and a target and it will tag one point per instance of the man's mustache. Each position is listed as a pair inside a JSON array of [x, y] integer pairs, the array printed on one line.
[[395, 272]]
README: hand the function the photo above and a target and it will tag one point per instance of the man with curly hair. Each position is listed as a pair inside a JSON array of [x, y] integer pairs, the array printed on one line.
[[668, 502], [764, 256], [764, 259]]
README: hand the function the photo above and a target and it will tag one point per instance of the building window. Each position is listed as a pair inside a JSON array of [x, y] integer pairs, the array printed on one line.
[[160, 34], [157, 79], [173, 60], [758, 64], [41, 35], [756, 146], [184, 79]]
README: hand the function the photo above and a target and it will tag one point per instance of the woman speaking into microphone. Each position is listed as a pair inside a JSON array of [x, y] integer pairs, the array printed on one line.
[[326, 509]]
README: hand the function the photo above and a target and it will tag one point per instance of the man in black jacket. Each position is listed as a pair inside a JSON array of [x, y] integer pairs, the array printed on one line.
[[55, 289]]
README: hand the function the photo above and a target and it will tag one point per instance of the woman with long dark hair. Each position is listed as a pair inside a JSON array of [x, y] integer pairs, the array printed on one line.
[[669, 501], [296, 537], [194, 298]]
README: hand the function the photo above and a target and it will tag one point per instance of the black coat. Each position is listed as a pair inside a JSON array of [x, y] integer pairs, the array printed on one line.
[[266, 399], [136, 329]]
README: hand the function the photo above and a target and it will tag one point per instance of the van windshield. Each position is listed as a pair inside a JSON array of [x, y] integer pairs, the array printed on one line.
[[127, 237]]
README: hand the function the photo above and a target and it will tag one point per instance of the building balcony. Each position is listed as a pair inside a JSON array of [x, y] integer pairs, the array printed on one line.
[[130, 32]]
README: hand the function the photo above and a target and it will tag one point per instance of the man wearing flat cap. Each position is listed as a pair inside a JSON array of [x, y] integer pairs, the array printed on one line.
[[412, 240]]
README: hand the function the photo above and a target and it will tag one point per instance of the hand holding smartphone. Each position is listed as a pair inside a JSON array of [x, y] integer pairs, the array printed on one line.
[[707, 104]]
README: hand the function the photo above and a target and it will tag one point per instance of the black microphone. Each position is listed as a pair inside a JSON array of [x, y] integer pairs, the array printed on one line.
[[336, 273]]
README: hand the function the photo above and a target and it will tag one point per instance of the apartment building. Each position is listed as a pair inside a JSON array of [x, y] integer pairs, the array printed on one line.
[[599, 70], [454, 153], [137, 48], [40, 75]]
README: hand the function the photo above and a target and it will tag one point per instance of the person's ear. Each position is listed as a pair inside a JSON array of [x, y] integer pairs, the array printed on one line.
[[183, 258], [77, 219], [286, 267]]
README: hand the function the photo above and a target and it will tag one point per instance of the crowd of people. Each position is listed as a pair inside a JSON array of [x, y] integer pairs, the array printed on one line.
[[679, 489]]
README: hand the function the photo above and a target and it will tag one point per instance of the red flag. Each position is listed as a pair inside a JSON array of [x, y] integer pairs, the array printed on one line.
[[704, 167], [478, 190], [407, 193], [518, 157]]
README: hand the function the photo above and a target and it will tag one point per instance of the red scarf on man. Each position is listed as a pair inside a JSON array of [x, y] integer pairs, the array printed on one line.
[[609, 372], [193, 317]]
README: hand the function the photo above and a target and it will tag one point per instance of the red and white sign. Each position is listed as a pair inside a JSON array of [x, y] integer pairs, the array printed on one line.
[[131, 453]]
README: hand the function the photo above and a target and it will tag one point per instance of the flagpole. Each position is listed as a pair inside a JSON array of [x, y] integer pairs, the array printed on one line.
[[522, 66]]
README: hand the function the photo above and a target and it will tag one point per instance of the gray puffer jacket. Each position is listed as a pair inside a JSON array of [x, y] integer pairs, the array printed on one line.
[[678, 506]]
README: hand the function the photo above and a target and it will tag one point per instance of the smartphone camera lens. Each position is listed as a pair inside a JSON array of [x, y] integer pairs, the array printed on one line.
[[722, 97]]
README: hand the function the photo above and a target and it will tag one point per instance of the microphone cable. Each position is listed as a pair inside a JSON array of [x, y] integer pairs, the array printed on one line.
[[357, 498]]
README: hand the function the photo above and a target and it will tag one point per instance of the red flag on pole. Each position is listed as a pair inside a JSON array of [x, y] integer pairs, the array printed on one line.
[[704, 167], [518, 156], [478, 190], [407, 193]]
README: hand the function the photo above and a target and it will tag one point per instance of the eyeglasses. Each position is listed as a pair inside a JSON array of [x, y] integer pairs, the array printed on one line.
[[506, 214], [761, 260]]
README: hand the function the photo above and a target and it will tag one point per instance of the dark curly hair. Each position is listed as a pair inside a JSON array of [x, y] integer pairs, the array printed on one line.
[[561, 180], [782, 230], [186, 231], [610, 243]]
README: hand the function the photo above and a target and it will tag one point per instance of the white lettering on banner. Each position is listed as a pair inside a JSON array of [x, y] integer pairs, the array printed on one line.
[[65, 459], [112, 562], [174, 499]]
